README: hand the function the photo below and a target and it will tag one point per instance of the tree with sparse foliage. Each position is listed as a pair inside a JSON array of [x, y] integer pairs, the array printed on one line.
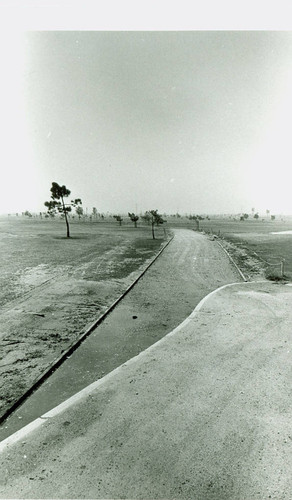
[[118, 219], [57, 203], [197, 219], [134, 218], [79, 211], [155, 218]]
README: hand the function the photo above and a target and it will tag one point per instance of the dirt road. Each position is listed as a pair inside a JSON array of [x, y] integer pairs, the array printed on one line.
[[189, 268]]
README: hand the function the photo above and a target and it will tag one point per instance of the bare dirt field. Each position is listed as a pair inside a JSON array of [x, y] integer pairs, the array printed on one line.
[[188, 269], [232, 377], [262, 243], [205, 413], [52, 288]]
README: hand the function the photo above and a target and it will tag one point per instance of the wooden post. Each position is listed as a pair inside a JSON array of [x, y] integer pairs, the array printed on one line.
[[282, 268]]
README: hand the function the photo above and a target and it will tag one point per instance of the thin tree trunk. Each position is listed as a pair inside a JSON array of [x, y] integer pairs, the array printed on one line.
[[66, 219], [153, 231], [67, 224]]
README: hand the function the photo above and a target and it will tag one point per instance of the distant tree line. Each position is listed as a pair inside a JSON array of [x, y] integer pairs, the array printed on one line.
[[59, 205]]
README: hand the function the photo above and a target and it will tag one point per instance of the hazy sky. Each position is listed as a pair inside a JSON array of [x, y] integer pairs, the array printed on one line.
[[188, 121]]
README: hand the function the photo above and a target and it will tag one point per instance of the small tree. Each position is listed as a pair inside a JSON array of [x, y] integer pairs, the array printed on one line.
[[79, 211], [256, 216], [58, 203], [134, 218], [94, 212], [118, 218], [196, 218], [155, 218]]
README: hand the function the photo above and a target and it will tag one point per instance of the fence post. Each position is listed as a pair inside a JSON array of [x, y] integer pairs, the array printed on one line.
[[282, 268]]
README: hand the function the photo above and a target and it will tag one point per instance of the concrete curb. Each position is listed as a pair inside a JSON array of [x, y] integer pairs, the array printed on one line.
[[56, 363], [231, 259]]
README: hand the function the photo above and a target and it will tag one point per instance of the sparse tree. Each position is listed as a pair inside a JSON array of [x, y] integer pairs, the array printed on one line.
[[256, 216], [197, 219], [26, 213], [134, 218], [118, 219], [155, 218], [79, 211], [57, 204], [94, 212]]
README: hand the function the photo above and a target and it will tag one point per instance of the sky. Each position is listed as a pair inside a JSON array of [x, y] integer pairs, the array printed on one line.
[[190, 121]]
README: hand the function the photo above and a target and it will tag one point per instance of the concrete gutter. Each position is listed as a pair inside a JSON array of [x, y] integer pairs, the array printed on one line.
[[233, 262], [58, 361]]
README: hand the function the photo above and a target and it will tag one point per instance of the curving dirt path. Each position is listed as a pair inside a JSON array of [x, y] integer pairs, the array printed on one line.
[[188, 269]]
